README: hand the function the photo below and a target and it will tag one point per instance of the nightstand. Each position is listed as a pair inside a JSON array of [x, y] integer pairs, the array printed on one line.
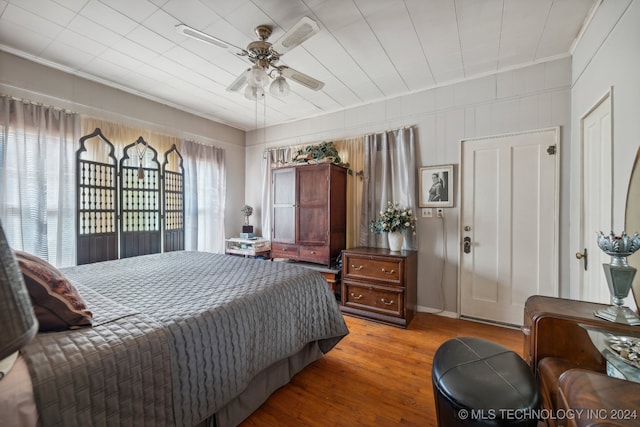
[[250, 248], [379, 284]]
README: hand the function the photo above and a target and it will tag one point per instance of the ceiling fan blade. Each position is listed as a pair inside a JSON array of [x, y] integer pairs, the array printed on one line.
[[206, 38], [301, 78], [239, 82], [301, 31]]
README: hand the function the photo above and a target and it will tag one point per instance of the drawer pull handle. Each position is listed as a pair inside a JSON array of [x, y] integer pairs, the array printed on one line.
[[385, 302], [313, 252], [284, 249], [357, 268], [356, 297], [388, 272]]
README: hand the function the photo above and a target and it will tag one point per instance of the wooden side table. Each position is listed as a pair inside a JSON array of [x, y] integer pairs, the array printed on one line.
[[332, 273], [555, 334], [552, 329]]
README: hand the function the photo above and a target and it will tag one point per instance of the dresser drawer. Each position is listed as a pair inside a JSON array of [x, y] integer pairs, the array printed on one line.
[[283, 250], [390, 270], [382, 300]]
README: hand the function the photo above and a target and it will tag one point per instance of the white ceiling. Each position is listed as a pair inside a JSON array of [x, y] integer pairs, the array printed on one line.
[[367, 50]]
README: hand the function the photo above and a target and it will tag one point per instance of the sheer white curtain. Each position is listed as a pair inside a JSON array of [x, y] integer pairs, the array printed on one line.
[[389, 176], [205, 200], [37, 179]]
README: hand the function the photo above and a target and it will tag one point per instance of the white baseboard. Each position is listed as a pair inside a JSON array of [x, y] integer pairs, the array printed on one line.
[[451, 314], [455, 315]]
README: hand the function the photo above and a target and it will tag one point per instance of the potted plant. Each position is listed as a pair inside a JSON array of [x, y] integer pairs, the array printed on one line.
[[394, 220], [320, 153], [247, 211]]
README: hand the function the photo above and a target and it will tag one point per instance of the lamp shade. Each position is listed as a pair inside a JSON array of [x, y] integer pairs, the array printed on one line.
[[253, 92], [19, 323], [279, 87], [258, 77]]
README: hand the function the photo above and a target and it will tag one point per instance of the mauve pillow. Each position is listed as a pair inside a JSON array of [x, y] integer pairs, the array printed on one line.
[[56, 302]]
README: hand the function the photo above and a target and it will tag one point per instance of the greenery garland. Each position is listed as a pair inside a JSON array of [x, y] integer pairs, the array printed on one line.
[[323, 152]]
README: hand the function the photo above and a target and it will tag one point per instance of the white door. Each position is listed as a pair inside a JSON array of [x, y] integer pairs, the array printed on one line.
[[509, 223], [596, 199]]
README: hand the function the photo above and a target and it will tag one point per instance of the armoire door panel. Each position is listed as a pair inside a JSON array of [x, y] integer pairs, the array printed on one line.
[[312, 225]]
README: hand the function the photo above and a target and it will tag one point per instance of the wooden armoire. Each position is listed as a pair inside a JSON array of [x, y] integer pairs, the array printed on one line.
[[309, 212]]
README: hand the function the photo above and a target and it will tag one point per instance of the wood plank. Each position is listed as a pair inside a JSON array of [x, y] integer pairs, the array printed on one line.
[[378, 375]]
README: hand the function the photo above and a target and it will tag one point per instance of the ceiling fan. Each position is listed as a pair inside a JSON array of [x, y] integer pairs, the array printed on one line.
[[265, 57]]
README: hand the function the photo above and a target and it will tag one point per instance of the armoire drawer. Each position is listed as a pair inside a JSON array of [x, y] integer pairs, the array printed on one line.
[[388, 270], [383, 300], [313, 252], [283, 250]]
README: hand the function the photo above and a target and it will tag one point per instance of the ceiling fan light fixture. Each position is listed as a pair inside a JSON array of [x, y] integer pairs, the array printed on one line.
[[252, 92], [258, 77], [279, 87]]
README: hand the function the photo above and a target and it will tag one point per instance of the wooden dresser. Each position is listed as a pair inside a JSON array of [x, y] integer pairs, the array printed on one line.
[[379, 284]]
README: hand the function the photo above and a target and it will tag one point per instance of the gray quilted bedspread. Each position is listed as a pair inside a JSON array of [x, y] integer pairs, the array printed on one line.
[[218, 319]]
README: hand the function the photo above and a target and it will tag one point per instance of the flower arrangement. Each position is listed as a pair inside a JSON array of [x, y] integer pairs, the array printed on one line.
[[394, 218]]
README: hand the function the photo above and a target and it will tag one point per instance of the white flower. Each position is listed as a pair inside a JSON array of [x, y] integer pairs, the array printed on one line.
[[394, 218]]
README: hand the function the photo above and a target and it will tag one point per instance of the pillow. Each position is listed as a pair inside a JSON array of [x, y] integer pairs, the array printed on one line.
[[56, 302]]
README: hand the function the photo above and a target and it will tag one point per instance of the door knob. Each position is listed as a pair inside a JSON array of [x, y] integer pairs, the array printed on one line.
[[583, 255], [466, 245]]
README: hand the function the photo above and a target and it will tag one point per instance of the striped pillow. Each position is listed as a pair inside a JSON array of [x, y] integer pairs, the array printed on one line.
[[56, 302]]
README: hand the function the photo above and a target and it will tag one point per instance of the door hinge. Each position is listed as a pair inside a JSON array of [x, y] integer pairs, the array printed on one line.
[[551, 150]]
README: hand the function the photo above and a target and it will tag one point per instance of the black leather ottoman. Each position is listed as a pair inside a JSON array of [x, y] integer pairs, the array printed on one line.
[[480, 383]]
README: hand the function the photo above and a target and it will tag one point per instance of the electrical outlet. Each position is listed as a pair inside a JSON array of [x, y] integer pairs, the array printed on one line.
[[427, 213], [440, 213]]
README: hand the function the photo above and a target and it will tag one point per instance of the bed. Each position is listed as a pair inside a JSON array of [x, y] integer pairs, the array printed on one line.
[[180, 339]]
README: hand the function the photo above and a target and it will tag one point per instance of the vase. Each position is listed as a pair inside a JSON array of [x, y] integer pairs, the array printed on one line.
[[395, 240]]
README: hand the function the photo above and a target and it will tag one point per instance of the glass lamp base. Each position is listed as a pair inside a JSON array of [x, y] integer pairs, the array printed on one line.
[[618, 314]]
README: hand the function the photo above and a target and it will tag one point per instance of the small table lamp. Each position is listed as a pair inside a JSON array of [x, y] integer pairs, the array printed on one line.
[[19, 323]]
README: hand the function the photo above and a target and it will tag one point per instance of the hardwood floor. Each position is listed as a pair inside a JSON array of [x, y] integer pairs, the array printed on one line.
[[377, 375]]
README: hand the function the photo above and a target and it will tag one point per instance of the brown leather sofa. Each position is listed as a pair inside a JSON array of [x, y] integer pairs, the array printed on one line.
[[575, 397]]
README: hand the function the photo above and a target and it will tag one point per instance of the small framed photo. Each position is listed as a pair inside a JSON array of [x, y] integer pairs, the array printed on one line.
[[436, 186]]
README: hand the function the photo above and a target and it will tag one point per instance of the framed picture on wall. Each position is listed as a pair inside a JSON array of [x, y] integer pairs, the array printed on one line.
[[436, 186]]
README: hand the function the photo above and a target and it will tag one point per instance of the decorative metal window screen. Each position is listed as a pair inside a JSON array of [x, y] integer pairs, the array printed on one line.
[[145, 198], [96, 198], [140, 200], [173, 200]]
